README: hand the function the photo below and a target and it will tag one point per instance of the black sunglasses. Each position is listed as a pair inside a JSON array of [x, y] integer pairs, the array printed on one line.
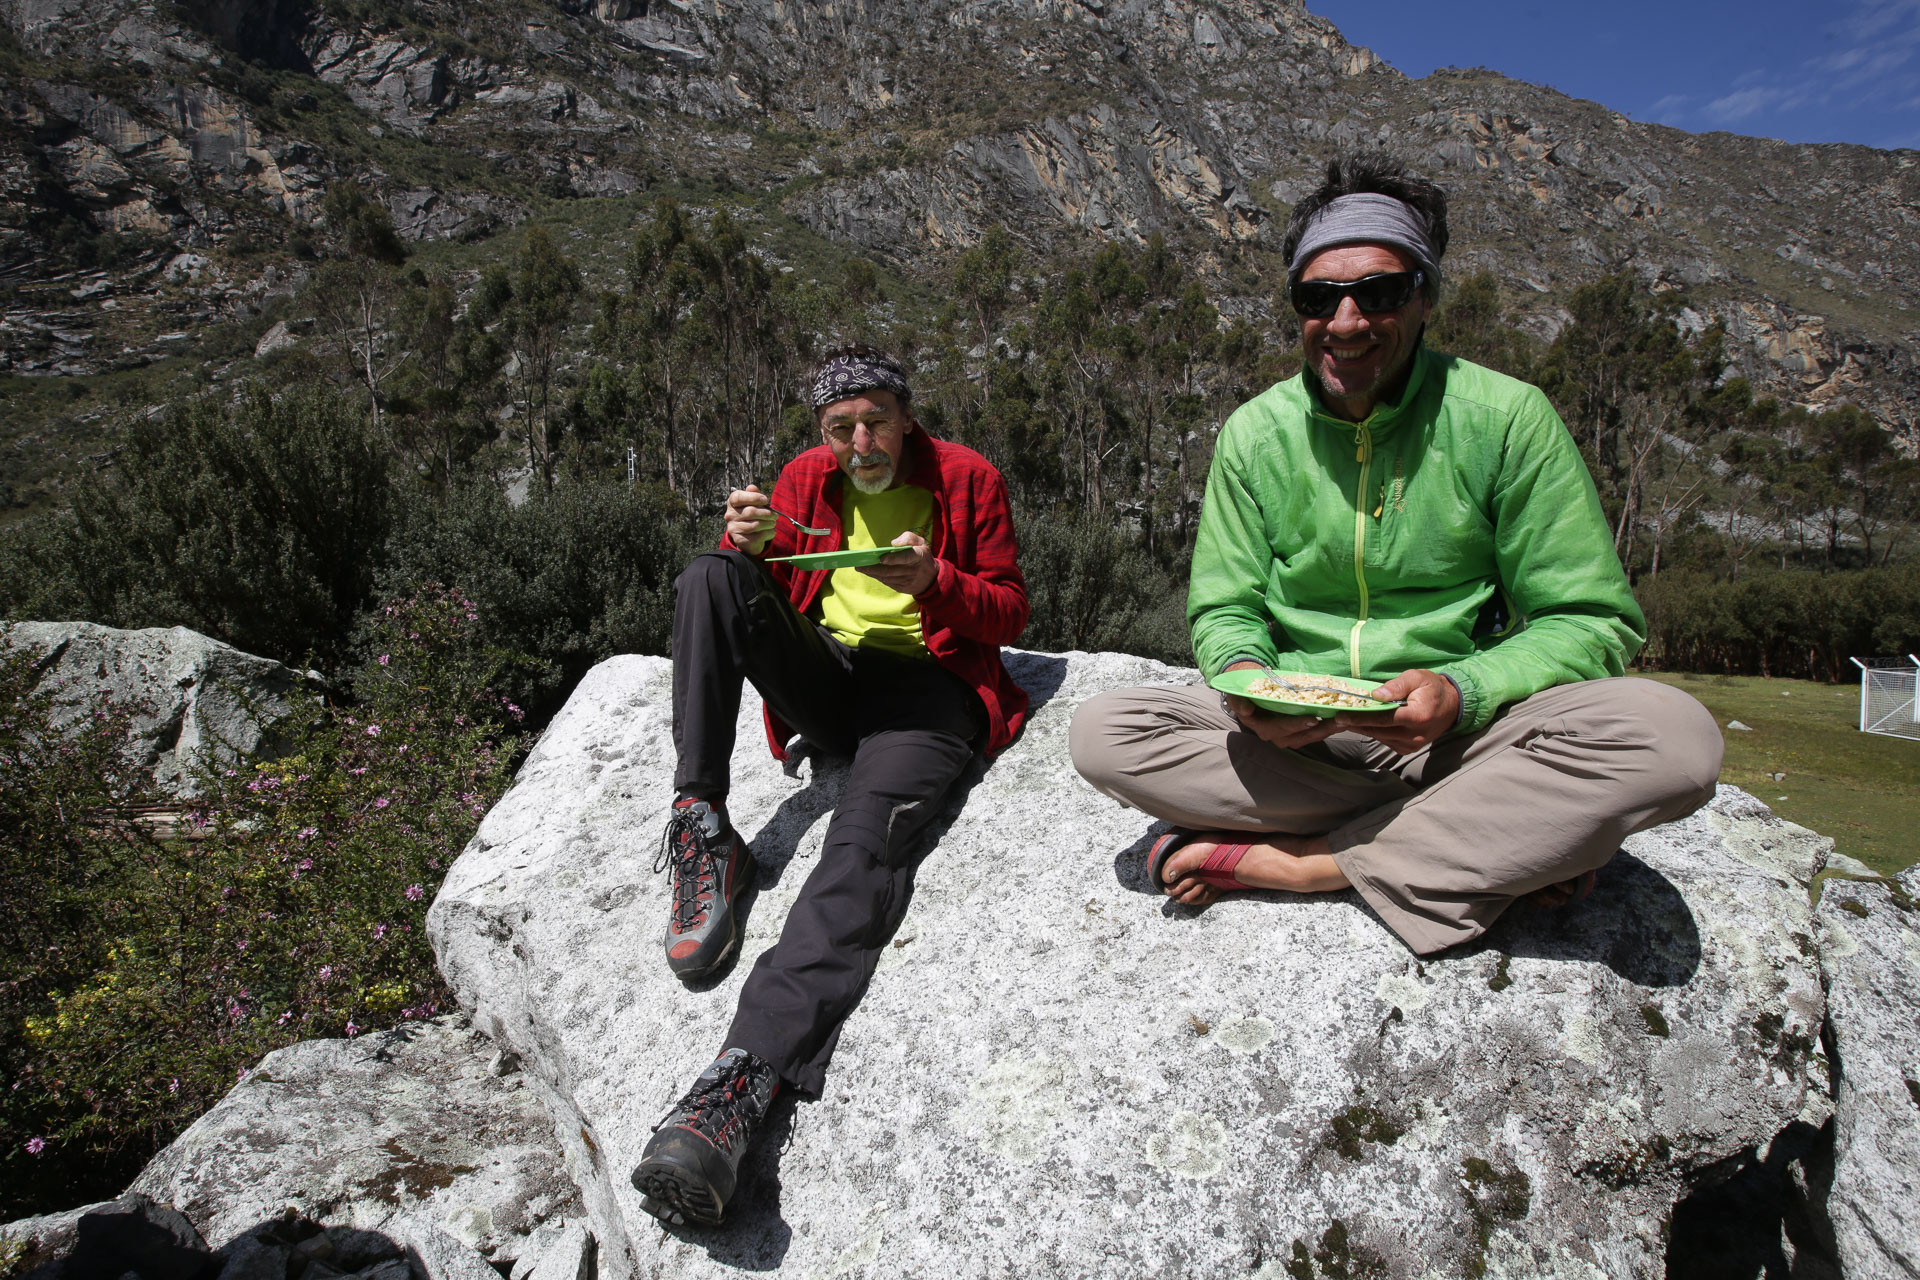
[[1388, 291]]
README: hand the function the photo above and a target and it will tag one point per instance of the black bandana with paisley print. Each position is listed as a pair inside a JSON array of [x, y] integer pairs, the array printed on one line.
[[845, 376]]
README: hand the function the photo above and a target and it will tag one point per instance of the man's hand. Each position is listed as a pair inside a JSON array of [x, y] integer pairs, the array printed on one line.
[[749, 520], [1432, 707], [1281, 731], [910, 570]]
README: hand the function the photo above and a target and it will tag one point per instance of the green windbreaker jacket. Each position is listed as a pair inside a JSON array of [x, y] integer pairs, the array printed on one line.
[[1456, 530]]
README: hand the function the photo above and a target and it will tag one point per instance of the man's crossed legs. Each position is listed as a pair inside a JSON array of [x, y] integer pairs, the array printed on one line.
[[911, 728], [1440, 842]]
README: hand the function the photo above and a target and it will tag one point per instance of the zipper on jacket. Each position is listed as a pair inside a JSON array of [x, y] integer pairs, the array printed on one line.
[[1363, 454]]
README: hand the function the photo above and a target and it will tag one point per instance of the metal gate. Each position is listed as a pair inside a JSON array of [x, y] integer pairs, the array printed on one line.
[[1887, 702]]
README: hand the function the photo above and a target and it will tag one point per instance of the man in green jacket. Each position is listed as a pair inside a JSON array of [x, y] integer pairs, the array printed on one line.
[[1428, 527]]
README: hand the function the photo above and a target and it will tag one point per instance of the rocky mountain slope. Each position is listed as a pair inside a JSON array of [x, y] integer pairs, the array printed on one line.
[[162, 166]]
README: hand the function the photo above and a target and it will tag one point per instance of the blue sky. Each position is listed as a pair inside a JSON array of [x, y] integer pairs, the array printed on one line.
[[1844, 71]]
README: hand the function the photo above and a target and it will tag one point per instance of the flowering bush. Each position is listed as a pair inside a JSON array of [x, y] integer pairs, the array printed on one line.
[[293, 906]]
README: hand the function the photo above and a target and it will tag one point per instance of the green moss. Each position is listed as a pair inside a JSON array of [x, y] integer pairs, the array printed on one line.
[[1854, 907], [1656, 1020], [1493, 1195], [1502, 974], [1336, 1258], [1359, 1125]]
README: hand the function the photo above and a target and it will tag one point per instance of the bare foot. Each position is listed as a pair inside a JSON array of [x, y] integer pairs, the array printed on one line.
[[1559, 895], [1298, 864]]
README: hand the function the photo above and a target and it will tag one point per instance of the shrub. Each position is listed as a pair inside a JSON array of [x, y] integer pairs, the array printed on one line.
[[1092, 586], [293, 908], [569, 577], [259, 521]]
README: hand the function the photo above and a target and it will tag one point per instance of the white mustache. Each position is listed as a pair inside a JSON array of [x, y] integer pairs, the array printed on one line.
[[870, 459]]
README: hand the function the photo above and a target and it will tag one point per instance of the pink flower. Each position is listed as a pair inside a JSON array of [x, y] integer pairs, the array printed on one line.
[[381, 803], [415, 893], [173, 1085], [352, 1030], [383, 659], [36, 1145], [379, 931], [326, 973], [306, 833], [243, 1073], [373, 731]]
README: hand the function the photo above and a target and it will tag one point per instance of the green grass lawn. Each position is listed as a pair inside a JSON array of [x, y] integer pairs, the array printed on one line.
[[1863, 789]]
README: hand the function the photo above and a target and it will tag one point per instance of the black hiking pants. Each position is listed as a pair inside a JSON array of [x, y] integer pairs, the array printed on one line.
[[910, 726]]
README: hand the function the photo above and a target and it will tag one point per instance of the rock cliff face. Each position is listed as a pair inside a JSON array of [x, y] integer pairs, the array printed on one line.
[[1056, 1073], [216, 125]]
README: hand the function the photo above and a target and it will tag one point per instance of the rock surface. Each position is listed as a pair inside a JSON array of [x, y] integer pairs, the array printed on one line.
[[1870, 954], [1057, 1073], [405, 1133], [200, 700]]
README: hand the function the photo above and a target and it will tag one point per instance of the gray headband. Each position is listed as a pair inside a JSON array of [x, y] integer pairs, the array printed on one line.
[[845, 376], [1368, 218]]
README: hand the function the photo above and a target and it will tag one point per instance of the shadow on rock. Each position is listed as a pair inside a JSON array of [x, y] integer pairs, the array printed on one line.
[[1040, 674], [1760, 1216], [137, 1236], [1636, 922]]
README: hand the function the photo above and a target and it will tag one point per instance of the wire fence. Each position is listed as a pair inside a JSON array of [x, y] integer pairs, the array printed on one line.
[[1887, 696]]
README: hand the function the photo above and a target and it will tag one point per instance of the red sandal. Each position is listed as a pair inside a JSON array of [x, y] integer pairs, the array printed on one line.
[[1217, 870]]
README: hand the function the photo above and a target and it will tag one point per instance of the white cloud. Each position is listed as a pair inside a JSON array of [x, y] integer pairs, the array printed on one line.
[[1875, 63]]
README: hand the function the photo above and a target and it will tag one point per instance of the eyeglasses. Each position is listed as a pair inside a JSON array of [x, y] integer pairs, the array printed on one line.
[[1388, 291], [842, 432]]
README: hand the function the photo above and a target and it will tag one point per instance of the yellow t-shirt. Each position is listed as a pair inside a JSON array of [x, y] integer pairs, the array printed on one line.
[[862, 611]]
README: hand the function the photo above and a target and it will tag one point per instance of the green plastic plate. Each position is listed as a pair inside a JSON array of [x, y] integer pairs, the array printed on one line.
[[849, 559], [1236, 682]]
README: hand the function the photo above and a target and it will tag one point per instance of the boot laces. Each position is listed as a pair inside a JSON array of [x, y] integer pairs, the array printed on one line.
[[724, 1106], [689, 852]]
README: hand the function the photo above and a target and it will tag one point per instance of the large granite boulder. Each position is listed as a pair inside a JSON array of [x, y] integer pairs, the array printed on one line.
[[1057, 1073], [197, 701], [1870, 953], [419, 1133]]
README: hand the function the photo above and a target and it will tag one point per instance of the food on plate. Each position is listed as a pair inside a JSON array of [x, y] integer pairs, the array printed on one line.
[[1321, 694]]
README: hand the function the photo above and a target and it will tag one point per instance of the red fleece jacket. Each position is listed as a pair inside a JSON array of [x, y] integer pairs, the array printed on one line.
[[978, 601]]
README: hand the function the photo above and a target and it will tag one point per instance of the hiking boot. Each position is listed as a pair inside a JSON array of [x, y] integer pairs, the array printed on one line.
[[691, 1163], [710, 866]]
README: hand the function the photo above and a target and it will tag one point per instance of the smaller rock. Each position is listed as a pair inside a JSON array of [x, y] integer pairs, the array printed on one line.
[[251, 1258], [42, 1239], [273, 340], [504, 1064], [1840, 864], [1735, 724], [1871, 963], [565, 1253], [137, 1234], [438, 1256]]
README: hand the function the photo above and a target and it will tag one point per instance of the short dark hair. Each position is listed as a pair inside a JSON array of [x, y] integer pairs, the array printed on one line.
[[866, 353], [1377, 173]]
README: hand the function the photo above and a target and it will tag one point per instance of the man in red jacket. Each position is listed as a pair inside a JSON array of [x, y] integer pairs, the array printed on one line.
[[896, 664]]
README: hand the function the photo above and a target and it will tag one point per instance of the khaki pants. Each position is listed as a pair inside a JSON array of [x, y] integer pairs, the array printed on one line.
[[1441, 841]]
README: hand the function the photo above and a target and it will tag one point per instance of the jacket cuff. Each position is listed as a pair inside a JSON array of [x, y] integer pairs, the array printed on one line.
[[1474, 713], [943, 581]]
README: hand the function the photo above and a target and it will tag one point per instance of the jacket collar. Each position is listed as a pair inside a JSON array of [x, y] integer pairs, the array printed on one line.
[[1384, 414]]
